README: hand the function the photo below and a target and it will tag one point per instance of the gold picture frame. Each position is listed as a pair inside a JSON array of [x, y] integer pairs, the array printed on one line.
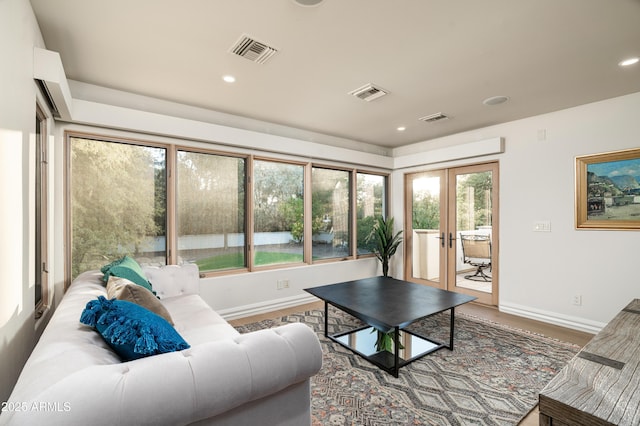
[[608, 190]]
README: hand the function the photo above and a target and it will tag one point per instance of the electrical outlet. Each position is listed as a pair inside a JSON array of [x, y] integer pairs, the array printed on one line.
[[577, 300], [280, 284], [542, 226], [542, 135]]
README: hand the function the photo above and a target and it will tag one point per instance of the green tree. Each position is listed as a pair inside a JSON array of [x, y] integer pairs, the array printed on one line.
[[113, 201], [477, 185], [210, 195], [426, 212], [275, 184], [330, 206], [160, 206], [365, 225], [293, 213], [369, 206]]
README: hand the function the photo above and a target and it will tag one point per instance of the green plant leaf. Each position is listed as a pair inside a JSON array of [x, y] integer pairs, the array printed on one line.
[[386, 242]]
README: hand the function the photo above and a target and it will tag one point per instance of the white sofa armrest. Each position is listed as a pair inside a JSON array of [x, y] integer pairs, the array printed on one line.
[[280, 356], [174, 280], [254, 365]]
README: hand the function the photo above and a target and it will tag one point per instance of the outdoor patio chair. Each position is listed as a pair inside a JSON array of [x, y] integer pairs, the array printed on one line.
[[476, 251]]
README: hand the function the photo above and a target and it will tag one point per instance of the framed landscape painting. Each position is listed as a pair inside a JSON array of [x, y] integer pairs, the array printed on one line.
[[608, 190]]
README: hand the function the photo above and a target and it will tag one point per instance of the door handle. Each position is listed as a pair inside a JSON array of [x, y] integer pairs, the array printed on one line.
[[441, 238], [451, 239]]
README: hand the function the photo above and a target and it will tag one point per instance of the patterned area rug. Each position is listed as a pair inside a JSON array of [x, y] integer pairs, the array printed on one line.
[[492, 377]]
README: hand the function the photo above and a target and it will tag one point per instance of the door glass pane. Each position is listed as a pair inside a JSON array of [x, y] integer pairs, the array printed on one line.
[[330, 207], [426, 228], [210, 210], [118, 203], [474, 225], [278, 213]]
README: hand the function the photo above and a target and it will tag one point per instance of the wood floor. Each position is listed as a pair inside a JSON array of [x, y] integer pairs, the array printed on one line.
[[490, 313]]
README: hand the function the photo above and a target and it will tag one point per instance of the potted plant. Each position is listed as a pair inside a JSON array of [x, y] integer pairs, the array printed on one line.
[[385, 342], [386, 242]]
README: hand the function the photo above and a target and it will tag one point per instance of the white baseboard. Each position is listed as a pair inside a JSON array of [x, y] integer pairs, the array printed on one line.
[[554, 318], [574, 323], [264, 307]]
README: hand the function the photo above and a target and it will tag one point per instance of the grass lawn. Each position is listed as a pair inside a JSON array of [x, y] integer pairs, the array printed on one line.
[[236, 260]]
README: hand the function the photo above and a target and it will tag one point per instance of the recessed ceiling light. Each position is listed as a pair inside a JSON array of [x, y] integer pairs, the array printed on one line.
[[229, 78], [401, 129], [495, 100], [629, 61]]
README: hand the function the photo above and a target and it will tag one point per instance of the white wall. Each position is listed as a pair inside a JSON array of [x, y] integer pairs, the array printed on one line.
[[541, 272], [240, 295], [19, 330]]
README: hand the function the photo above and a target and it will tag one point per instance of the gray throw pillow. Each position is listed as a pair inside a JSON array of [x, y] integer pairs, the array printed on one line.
[[123, 289]]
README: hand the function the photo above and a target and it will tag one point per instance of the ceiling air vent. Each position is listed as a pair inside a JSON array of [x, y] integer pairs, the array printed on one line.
[[368, 92], [253, 50], [438, 116]]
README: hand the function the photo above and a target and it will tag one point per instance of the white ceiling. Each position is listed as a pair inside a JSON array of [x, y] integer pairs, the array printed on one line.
[[431, 55]]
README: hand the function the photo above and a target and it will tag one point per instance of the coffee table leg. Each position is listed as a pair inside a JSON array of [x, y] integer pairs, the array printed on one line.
[[326, 319], [451, 328], [396, 347]]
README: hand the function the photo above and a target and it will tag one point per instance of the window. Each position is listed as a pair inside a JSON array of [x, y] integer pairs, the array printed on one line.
[[118, 203], [222, 211], [331, 218], [278, 213], [210, 210], [371, 196], [41, 205]]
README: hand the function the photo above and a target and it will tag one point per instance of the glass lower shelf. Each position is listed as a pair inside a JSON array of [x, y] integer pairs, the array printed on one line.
[[364, 341]]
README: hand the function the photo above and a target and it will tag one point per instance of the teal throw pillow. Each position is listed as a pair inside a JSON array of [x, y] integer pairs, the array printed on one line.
[[130, 330], [128, 268]]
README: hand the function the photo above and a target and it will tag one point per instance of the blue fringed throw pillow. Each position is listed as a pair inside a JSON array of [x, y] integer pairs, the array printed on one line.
[[132, 331]]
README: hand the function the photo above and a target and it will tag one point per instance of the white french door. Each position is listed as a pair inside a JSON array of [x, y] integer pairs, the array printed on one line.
[[443, 207]]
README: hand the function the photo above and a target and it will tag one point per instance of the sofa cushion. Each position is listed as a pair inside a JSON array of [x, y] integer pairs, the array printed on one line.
[[196, 322], [128, 268], [123, 289], [173, 280], [132, 331]]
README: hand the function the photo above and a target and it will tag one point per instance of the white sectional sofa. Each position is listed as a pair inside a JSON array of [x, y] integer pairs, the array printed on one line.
[[225, 378]]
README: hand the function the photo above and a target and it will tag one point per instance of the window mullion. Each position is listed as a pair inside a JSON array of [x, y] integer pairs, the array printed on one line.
[[308, 215], [250, 223], [353, 214], [171, 216]]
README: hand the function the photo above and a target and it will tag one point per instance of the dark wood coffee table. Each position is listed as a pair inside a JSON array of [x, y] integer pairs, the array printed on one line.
[[388, 305]]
